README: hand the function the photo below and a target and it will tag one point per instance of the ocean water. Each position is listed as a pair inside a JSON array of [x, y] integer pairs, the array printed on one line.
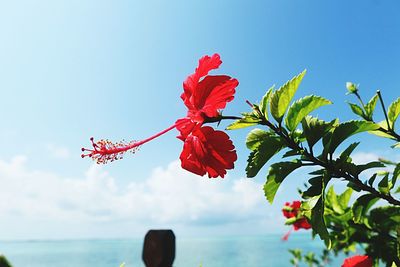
[[253, 251]]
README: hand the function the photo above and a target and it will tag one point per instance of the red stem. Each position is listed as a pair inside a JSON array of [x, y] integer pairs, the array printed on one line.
[[151, 137]]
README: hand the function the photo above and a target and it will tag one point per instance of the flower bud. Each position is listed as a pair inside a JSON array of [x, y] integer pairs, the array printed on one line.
[[351, 88]]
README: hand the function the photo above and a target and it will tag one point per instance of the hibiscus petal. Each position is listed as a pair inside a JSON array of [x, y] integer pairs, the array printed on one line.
[[358, 261], [188, 160], [206, 64], [208, 151], [301, 224], [185, 126], [204, 98], [213, 93]]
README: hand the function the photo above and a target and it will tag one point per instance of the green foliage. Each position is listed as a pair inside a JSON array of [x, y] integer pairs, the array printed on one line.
[[385, 185], [370, 107], [248, 119], [4, 262], [341, 223], [366, 111], [357, 110], [264, 146], [362, 205], [301, 108], [396, 173], [281, 98], [393, 112], [383, 130], [344, 131], [314, 129], [265, 102], [309, 258], [313, 210], [277, 173], [397, 145]]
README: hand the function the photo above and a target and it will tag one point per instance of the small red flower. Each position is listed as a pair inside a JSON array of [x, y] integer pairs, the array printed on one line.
[[358, 261], [292, 212], [301, 224], [205, 150]]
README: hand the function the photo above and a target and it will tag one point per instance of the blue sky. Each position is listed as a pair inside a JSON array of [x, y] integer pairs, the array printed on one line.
[[70, 70]]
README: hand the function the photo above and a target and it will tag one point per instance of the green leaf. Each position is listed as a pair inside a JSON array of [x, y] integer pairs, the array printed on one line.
[[345, 130], [296, 252], [281, 98], [264, 146], [255, 137], [370, 107], [291, 153], [386, 217], [372, 179], [4, 262], [346, 153], [314, 211], [387, 162], [383, 125], [276, 174], [357, 110], [249, 119], [315, 188], [332, 199], [385, 185], [314, 129], [396, 174], [265, 102], [397, 190], [317, 172], [314, 208], [301, 108], [393, 112], [362, 205], [397, 145], [344, 198], [290, 221], [370, 165]]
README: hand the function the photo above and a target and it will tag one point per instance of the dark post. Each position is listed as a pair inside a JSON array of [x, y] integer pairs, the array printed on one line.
[[159, 248]]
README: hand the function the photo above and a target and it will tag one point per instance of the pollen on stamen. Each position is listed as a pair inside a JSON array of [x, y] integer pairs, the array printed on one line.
[[104, 151]]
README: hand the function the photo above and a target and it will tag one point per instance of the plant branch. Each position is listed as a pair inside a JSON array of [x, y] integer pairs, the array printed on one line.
[[329, 166], [360, 99], [384, 109], [220, 118]]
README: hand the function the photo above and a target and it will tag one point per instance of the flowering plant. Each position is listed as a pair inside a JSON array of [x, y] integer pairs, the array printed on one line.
[[305, 141], [205, 150]]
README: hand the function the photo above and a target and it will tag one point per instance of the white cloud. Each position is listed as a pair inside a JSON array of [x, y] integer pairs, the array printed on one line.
[[58, 152], [168, 195], [364, 157]]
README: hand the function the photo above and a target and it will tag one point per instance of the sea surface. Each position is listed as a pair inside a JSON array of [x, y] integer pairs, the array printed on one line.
[[240, 251]]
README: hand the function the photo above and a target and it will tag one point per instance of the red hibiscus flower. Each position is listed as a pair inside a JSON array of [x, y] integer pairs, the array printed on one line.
[[292, 212], [358, 261], [208, 151], [204, 98], [205, 150]]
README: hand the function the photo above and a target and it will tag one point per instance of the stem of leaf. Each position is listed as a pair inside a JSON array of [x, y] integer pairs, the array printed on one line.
[[220, 118], [360, 99]]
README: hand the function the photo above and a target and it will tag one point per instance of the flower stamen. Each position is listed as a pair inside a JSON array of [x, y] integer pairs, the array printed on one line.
[[104, 150]]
